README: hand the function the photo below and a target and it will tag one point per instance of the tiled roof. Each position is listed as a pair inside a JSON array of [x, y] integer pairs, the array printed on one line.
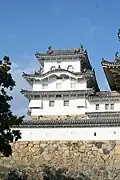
[[70, 123], [103, 94], [103, 114], [53, 52], [110, 64], [81, 92]]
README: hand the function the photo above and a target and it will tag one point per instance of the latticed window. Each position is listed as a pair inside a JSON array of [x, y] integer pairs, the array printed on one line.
[[106, 106], [111, 106], [36, 96], [66, 103], [51, 103], [97, 107], [45, 86]]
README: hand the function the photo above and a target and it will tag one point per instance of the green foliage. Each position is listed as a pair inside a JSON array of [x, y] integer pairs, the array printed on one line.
[[46, 173], [7, 119], [16, 175]]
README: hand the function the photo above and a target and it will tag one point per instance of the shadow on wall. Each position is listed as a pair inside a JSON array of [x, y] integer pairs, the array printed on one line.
[[45, 173]]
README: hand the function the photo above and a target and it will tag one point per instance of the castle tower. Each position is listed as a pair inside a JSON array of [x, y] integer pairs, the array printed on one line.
[[61, 86], [106, 104], [112, 72]]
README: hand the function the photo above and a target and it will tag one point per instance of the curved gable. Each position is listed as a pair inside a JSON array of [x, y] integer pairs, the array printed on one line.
[[59, 73]]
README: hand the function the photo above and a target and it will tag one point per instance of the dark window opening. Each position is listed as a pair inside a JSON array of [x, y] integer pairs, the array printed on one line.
[[106, 106], [58, 96], [59, 77], [112, 106], [51, 103], [66, 77], [36, 96], [66, 103], [97, 106], [94, 133]]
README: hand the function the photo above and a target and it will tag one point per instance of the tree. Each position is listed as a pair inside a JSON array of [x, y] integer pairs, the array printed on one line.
[[7, 119]]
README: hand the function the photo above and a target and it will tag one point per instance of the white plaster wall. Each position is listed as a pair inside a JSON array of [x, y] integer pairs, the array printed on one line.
[[45, 134], [92, 106], [65, 84], [64, 64], [37, 86], [60, 109]]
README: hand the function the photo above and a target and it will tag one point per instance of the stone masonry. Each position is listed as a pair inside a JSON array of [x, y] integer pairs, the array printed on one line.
[[98, 160], [64, 117]]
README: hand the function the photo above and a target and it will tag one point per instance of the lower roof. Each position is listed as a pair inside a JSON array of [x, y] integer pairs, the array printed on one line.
[[81, 123], [105, 114], [29, 94]]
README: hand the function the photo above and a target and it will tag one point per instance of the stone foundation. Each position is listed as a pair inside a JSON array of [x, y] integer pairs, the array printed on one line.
[[82, 116], [98, 160]]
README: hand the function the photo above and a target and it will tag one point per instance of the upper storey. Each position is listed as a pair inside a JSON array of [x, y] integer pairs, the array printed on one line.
[[112, 72], [75, 60]]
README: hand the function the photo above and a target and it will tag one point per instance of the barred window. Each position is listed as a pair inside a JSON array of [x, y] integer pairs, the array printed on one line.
[[66, 103], [106, 106], [45, 86], [97, 107], [111, 106], [51, 103]]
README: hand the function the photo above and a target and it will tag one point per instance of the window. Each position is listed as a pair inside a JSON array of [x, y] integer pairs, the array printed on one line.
[[52, 68], [58, 77], [70, 68], [45, 86], [94, 133], [58, 85], [66, 103], [73, 85], [36, 96], [58, 62], [36, 107], [66, 77], [51, 103], [72, 79], [97, 107], [58, 96], [106, 106], [111, 106]]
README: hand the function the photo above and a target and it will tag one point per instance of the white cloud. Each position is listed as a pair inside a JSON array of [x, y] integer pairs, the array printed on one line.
[[19, 104]]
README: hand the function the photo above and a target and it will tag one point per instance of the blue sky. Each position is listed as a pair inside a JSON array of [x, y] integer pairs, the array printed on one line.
[[27, 26]]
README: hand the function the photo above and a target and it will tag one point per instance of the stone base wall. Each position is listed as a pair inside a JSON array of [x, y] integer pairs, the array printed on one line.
[[96, 159], [81, 116]]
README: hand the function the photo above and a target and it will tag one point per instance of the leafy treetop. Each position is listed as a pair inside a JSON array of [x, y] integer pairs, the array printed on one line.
[[7, 119]]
